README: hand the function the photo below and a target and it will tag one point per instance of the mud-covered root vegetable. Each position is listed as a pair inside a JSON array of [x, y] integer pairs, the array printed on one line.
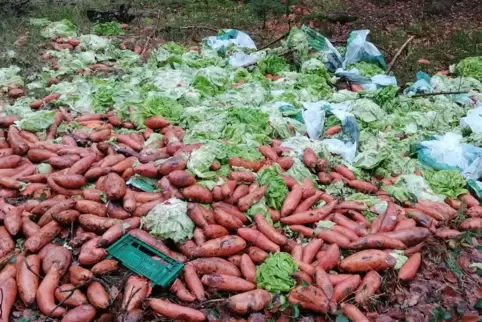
[[28, 271], [353, 313], [197, 193], [69, 295], [220, 247], [46, 294], [247, 302], [367, 260], [214, 265], [81, 313], [44, 236], [322, 280], [310, 298], [369, 286], [80, 275], [90, 254], [408, 271], [105, 267], [136, 289], [222, 282], [193, 282], [8, 289], [258, 239], [346, 287], [97, 295], [6, 242], [471, 224], [174, 311], [182, 293], [377, 241]]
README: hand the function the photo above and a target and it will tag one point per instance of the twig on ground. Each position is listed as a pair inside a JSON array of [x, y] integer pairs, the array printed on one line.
[[440, 93], [275, 41], [188, 27], [153, 34], [394, 60]]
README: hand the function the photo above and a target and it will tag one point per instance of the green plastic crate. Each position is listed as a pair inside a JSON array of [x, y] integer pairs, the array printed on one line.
[[137, 256]]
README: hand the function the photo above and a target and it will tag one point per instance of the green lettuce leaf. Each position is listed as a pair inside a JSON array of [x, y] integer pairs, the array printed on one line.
[[273, 65], [169, 220], [36, 121], [446, 182], [277, 188], [274, 275]]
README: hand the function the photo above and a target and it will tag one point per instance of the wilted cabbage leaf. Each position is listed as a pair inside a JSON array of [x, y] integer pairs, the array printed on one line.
[[277, 188], [36, 121], [274, 275], [446, 182], [169, 220]]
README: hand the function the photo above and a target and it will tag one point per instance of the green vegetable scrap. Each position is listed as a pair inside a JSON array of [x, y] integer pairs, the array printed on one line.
[[366, 69], [277, 188], [111, 28], [169, 220], [273, 65], [274, 274], [446, 182], [470, 67]]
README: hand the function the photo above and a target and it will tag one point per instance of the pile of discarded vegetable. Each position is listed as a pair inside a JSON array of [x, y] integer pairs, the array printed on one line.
[[274, 222]]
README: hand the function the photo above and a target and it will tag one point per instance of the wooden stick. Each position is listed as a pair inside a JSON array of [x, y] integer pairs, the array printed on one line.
[[275, 41], [394, 60], [440, 93]]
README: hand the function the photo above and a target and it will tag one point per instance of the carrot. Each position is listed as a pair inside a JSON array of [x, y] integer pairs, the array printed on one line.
[[469, 200], [81, 313], [45, 294], [334, 237], [193, 282], [333, 130], [227, 220], [157, 244], [367, 260], [302, 230], [97, 295], [238, 162], [248, 302], [247, 201], [353, 313], [471, 224], [45, 235], [310, 158], [220, 282], [104, 267], [369, 286], [377, 241], [28, 271], [80, 275], [9, 290], [341, 220], [197, 193], [265, 228], [258, 239], [77, 298], [214, 265], [410, 236], [409, 270], [310, 250], [182, 293], [309, 297], [81, 166], [174, 311]]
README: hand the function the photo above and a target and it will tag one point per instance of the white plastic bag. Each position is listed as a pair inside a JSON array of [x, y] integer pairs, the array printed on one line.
[[473, 120]]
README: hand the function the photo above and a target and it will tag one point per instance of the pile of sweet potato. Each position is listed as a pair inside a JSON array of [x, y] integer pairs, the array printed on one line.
[[63, 280]]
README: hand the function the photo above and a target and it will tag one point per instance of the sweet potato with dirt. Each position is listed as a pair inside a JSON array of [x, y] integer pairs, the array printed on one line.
[[9, 290], [171, 164], [174, 311], [62, 293], [95, 223], [471, 224], [193, 282], [10, 161], [214, 231], [28, 270], [408, 271], [309, 158], [105, 267], [90, 254], [182, 293], [97, 295], [231, 209], [248, 268], [44, 236], [80, 275], [309, 216], [367, 260], [369, 286], [377, 241], [269, 231], [247, 302], [214, 265], [136, 289], [56, 255], [221, 282], [310, 298], [55, 209], [221, 247], [114, 186], [66, 217], [353, 313], [181, 178], [251, 198], [197, 193], [81, 313], [156, 122], [334, 237], [410, 236], [46, 294], [13, 220], [84, 164], [238, 162], [91, 207], [292, 200], [258, 239]]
